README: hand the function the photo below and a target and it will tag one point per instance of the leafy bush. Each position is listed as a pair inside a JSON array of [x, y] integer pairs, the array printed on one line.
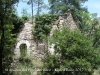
[[74, 51], [43, 25]]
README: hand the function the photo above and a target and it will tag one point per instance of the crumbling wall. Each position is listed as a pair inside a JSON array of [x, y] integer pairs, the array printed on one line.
[[26, 37], [65, 19]]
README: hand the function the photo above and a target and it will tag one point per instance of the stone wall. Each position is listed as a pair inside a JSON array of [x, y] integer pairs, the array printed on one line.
[[67, 20], [26, 37], [34, 49]]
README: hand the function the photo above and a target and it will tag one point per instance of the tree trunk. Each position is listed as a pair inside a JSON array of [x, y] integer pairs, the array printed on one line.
[[2, 43]]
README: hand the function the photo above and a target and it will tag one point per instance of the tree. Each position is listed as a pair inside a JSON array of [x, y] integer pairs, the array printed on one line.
[[74, 54], [39, 4], [25, 15], [73, 6], [43, 25], [6, 10], [8, 47], [90, 22], [96, 39], [17, 22]]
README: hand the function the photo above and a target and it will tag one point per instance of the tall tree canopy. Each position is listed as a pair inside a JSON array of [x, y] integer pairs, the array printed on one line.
[[38, 4], [73, 6], [7, 40], [6, 11]]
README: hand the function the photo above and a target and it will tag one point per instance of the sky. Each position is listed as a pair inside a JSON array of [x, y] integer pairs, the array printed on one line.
[[92, 5]]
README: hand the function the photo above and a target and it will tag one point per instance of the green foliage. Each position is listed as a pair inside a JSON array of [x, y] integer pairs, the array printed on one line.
[[94, 21], [8, 47], [28, 65], [25, 61], [18, 23], [96, 38], [25, 15], [22, 73], [12, 25], [7, 40], [73, 6], [24, 65], [38, 4], [23, 50], [89, 22], [43, 25], [73, 50]]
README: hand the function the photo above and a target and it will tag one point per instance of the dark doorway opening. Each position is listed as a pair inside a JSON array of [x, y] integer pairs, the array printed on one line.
[[23, 50]]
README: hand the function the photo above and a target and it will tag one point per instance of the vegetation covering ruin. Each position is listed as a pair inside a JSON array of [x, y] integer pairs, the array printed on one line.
[[73, 49]]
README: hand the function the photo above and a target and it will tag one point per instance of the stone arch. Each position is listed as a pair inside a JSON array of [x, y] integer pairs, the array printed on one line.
[[23, 42], [17, 49]]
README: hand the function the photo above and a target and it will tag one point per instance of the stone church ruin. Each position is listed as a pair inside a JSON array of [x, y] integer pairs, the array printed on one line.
[[25, 37]]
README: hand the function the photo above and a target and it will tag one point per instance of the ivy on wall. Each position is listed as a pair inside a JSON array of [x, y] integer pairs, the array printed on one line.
[[43, 25]]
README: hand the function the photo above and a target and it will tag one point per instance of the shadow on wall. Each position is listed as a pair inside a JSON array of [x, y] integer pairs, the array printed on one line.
[[23, 50]]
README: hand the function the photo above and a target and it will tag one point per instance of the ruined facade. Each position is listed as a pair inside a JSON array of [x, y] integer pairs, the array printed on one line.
[[67, 19], [26, 37]]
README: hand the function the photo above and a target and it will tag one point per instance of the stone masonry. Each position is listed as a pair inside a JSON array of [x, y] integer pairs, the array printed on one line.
[[26, 37], [67, 19]]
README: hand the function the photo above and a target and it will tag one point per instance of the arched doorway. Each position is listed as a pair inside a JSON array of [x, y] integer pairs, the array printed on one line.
[[23, 50], [20, 48]]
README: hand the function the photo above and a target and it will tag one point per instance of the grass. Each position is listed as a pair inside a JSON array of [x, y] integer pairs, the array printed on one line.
[[28, 66]]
